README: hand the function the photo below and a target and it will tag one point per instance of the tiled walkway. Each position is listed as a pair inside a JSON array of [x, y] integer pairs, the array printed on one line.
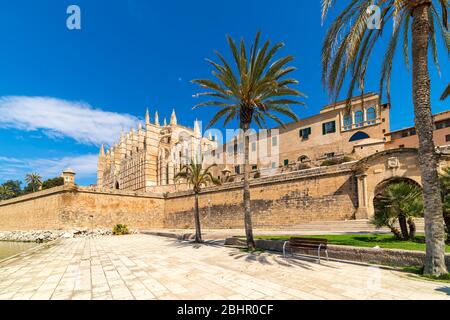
[[147, 267]]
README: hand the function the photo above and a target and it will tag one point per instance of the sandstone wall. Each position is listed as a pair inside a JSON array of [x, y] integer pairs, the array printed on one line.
[[66, 208], [325, 194]]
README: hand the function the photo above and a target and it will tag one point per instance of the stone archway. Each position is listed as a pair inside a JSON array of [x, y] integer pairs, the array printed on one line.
[[378, 169]]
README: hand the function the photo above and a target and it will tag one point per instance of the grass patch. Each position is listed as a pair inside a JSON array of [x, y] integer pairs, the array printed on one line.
[[418, 272], [385, 241]]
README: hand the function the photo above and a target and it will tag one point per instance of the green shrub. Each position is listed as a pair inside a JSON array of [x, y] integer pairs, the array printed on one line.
[[120, 229], [335, 161]]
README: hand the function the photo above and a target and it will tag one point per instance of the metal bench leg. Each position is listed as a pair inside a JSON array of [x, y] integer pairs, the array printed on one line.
[[326, 251], [318, 253], [284, 249]]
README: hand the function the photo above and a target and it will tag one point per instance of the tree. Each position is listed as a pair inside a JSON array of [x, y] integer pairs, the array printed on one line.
[[254, 90], [197, 177], [15, 187], [34, 181], [6, 192], [347, 48], [52, 183], [399, 202]]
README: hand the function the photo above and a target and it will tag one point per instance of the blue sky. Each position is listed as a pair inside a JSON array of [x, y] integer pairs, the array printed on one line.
[[62, 92]]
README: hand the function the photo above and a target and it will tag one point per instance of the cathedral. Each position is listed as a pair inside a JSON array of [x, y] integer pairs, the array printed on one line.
[[150, 156]]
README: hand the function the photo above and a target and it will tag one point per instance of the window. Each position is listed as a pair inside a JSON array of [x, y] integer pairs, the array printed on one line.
[[447, 138], [402, 146], [303, 159], [405, 134], [213, 153], [305, 133], [348, 122], [254, 147], [274, 141], [237, 169], [274, 165], [330, 155], [254, 167], [329, 127], [371, 116], [359, 119], [413, 132], [286, 162], [359, 136]]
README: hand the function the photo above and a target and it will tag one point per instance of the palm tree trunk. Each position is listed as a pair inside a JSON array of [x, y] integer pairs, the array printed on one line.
[[198, 230], [247, 203], [447, 224], [412, 229], [403, 226], [434, 226]]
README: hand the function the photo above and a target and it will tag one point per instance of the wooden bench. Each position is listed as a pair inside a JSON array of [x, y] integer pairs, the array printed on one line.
[[306, 244]]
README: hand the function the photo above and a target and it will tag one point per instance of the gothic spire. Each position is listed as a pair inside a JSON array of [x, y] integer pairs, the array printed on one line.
[[147, 118], [156, 118], [173, 118]]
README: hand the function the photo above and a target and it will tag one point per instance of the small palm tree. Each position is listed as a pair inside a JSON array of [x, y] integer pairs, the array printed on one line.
[[197, 178], [34, 180], [445, 193], [400, 202], [252, 91], [6, 192], [347, 48]]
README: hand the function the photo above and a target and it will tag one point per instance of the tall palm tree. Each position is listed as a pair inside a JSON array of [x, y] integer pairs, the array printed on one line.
[[347, 48], [252, 91], [5, 192], [34, 180], [197, 177]]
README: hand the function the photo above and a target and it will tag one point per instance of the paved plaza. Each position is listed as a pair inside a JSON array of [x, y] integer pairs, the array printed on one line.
[[149, 267]]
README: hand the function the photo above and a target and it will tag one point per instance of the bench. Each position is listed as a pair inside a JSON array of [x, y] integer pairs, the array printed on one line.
[[306, 244]]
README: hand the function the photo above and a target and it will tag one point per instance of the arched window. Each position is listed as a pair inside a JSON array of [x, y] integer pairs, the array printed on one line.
[[348, 122], [359, 119], [359, 136], [117, 186], [371, 116], [303, 159]]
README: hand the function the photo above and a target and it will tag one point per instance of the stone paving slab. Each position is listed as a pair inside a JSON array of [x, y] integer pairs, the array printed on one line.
[[146, 267]]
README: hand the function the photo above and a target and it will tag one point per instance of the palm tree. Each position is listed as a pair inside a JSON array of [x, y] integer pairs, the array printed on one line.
[[347, 48], [197, 177], [5, 192], [34, 180], [400, 202], [251, 92]]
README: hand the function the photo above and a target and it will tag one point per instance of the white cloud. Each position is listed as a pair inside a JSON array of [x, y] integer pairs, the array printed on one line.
[[85, 166], [62, 118]]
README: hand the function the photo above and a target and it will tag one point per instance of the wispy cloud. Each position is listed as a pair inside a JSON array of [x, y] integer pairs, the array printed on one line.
[[61, 118], [85, 166]]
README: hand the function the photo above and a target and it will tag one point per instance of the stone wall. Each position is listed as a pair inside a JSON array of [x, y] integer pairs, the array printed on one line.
[[69, 207], [322, 194]]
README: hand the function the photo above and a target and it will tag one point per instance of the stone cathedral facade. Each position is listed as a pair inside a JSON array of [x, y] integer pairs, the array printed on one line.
[[150, 156]]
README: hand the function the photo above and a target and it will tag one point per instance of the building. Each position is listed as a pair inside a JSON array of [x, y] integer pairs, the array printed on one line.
[[150, 156], [338, 133], [407, 138]]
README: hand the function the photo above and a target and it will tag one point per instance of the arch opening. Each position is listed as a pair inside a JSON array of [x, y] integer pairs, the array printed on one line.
[[359, 136]]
